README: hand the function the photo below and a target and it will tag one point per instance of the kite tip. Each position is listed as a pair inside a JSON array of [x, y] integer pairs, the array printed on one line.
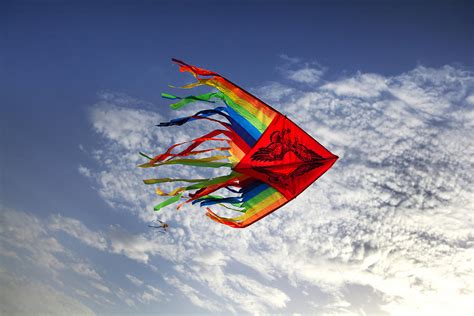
[[175, 60]]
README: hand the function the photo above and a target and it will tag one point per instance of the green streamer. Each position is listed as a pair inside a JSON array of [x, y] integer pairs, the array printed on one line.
[[206, 97], [165, 180], [167, 202]]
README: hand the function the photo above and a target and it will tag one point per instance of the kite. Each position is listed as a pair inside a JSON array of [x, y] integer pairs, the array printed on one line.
[[160, 225], [271, 159]]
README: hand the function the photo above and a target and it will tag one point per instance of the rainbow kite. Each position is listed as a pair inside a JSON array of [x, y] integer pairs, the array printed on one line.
[[271, 159]]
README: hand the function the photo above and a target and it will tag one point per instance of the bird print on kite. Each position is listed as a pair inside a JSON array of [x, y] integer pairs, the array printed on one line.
[[271, 159]]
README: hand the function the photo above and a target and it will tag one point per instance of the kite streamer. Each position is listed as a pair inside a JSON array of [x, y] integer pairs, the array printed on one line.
[[271, 159]]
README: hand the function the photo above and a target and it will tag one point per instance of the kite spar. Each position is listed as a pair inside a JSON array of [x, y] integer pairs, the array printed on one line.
[[271, 159]]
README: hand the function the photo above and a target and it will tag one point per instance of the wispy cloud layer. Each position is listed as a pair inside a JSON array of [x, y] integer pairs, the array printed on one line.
[[20, 296], [388, 229], [387, 220], [50, 267], [78, 230]]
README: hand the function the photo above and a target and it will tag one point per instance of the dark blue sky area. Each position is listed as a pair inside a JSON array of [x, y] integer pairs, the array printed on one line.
[[57, 55], [123, 44], [60, 48]]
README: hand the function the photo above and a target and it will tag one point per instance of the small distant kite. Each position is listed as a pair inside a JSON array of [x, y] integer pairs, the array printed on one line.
[[161, 226], [271, 159]]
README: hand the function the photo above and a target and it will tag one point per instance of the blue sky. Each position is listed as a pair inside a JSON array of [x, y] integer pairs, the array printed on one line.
[[81, 92]]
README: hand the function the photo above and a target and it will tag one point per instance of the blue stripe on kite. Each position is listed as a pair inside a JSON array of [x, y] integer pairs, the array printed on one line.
[[239, 130], [219, 201], [255, 191], [246, 125], [250, 186]]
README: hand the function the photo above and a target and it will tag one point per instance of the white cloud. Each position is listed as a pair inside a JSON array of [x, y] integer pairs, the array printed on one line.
[[152, 294], [259, 297], [138, 247], [40, 257], [99, 286], [289, 59], [86, 172], [147, 297], [213, 258], [129, 302], [86, 270], [301, 72], [136, 281], [361, 86], [130, 128], [125, 297], [193, 295], [391, 219], [7, 252], [20, 296], [273, 92], [78, 230], [24, 232], [41, 250], [155, 291], [305, 75], [82, 293], [470, 99]]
